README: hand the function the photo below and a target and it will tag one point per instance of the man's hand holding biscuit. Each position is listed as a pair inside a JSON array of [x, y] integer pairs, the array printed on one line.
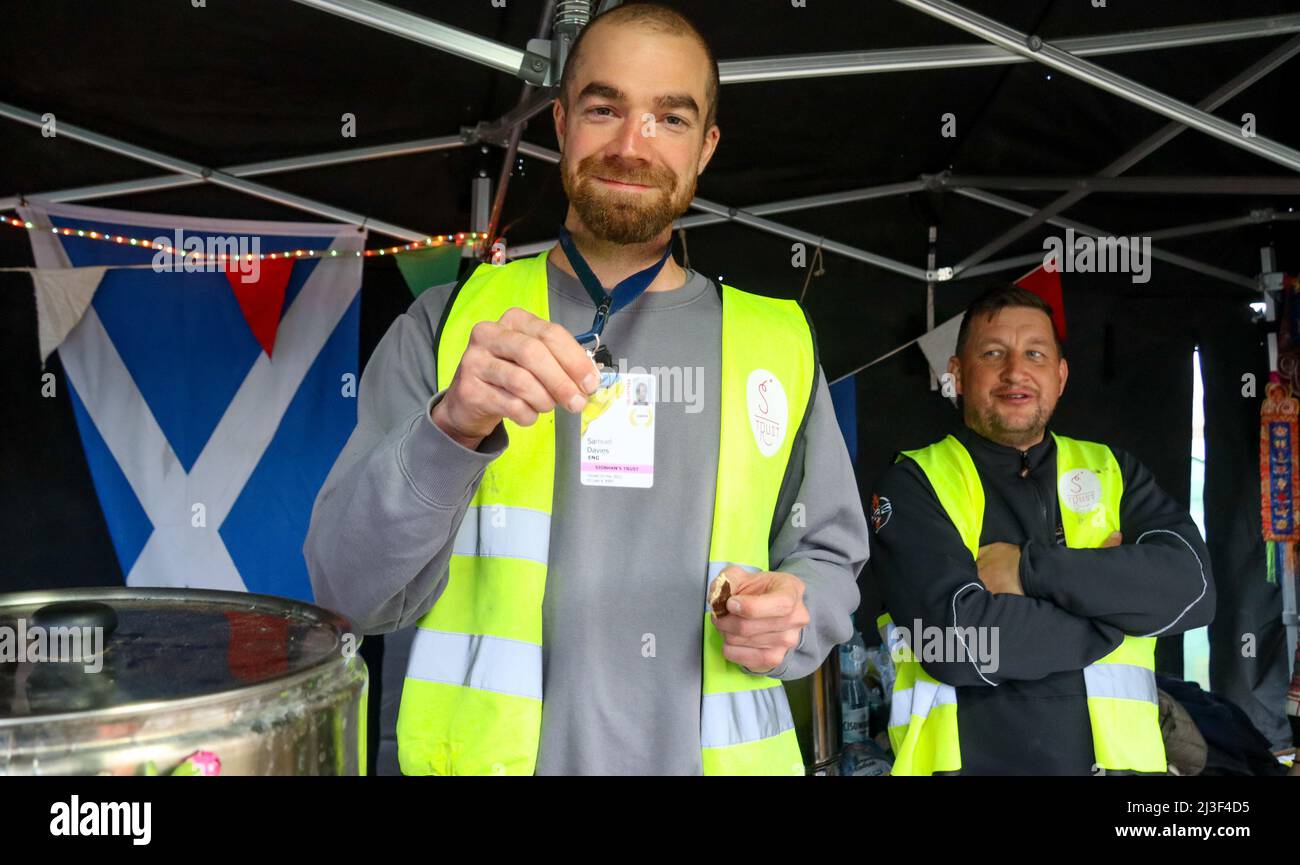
[[761, 619]]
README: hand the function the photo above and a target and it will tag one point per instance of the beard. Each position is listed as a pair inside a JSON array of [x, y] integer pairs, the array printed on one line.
[[618, 216], [994, 427]]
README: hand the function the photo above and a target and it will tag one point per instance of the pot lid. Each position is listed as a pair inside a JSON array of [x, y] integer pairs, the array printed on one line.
[[80, 650]]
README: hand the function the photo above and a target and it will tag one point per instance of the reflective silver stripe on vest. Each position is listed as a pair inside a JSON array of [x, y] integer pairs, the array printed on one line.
[[716, 568], [1120, 682], [475, 661], [497, 530], [744, 716], [918, 700]]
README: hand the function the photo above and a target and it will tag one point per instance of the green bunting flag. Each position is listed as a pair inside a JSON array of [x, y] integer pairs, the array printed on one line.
[[423, 268]]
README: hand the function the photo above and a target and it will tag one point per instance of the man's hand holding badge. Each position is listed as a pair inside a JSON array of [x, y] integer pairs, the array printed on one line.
[[521, 366], [760, 615], [517, 368]]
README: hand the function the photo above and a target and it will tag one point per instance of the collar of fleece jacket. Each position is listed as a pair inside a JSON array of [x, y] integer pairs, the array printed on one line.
[[999, 458]]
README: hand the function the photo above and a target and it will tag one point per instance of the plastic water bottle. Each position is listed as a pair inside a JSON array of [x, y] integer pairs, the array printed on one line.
[[854, 705], [864, 759], [854, 710], [857, 651], [879, 675]]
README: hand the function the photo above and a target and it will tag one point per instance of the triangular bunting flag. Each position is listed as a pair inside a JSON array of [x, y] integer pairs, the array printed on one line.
[[434, 265], [940, 344], [262, 300], [1047, 285], [62, 296]]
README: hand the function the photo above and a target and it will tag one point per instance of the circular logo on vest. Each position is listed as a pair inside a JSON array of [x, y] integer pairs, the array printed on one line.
[[1080, 491], [768, 412], [881, 511]]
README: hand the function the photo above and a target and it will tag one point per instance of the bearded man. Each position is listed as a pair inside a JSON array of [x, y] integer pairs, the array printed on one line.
[[619, 586]]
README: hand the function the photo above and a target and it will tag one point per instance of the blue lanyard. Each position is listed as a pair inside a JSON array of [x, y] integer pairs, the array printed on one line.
[[622, 294]]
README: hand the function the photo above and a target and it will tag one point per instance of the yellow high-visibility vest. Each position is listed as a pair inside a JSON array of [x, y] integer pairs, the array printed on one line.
[[1121, 687], [472, 699]]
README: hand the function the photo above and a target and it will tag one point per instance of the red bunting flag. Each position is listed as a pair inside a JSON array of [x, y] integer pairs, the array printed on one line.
[[262, 298], [1047, 285]]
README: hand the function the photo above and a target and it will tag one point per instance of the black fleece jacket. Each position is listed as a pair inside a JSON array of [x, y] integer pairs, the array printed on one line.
[[1030, 716]]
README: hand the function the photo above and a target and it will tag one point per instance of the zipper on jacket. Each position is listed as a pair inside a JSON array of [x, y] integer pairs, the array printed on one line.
[[1038, 496]]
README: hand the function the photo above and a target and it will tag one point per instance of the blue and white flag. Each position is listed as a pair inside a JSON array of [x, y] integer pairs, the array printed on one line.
[[211, 405]]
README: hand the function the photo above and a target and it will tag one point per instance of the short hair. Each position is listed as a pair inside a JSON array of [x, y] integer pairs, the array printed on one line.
[[997, 297], [652, 16]]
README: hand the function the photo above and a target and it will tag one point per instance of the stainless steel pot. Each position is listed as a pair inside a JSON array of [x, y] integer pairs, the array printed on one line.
[[270, 686]]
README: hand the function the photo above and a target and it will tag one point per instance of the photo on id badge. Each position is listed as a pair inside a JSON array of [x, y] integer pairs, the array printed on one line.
[[618, 434]]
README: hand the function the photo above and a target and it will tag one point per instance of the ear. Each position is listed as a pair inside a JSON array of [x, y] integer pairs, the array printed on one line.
[[954, 367], [709, 147], [1065, 373], [558, 114]]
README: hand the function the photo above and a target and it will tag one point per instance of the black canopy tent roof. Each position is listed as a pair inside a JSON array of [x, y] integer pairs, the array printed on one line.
[[820, 100], [836, 106], [832, 112]]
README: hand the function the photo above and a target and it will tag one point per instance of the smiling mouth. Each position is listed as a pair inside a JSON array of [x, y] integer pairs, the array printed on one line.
[[619, 184], [1015, 397]]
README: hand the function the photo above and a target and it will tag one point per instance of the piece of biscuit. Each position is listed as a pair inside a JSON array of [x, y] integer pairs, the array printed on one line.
[[719, 596]]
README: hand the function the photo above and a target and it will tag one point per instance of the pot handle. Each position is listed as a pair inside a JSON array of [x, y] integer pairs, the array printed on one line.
[[77, 614]]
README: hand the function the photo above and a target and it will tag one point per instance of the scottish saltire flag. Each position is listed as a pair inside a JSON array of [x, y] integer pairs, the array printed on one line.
[[211, 405]]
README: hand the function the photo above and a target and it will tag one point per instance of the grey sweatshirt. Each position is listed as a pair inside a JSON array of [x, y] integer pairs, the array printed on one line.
[[621, 622]]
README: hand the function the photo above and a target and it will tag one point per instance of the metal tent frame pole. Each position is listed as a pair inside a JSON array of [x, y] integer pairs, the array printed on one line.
[[1082, 228], [1256, 217], [426, 31], [499, 131], [961, 56], [249, 169], [742, 217], [809, 202], [1188, 185], [220, 178], [504, 58], [513, 124], [1033, 259], [1142, 150], [1035, 48]]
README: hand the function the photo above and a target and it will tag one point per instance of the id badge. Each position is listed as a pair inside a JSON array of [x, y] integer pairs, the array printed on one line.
[[617, 438]]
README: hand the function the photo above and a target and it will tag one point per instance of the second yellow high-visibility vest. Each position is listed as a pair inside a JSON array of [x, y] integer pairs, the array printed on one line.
[[472, 699], [1121, 687]]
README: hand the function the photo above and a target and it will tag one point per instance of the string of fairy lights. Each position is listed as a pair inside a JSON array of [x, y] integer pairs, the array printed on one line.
[[461, 239]]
